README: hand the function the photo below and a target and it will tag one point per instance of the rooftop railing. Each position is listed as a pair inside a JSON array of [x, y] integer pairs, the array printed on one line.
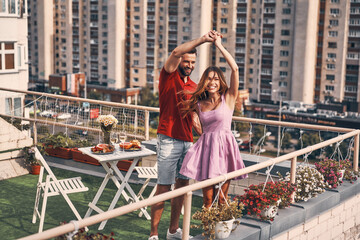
[[136, 121]]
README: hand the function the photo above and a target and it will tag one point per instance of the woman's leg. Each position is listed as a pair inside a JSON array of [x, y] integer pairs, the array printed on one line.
[[208, 195], [225, 190]]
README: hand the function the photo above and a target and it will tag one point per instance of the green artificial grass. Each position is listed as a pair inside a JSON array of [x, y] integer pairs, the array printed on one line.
[[17, 196]]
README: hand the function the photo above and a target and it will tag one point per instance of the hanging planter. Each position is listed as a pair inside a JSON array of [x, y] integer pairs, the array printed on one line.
[[80, 157], [224, 228], [218, 221]]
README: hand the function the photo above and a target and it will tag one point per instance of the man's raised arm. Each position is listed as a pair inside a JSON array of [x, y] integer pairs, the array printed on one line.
[[174, 59]]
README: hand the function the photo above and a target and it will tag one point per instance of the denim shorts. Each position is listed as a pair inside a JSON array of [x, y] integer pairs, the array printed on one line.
[[170, 156]]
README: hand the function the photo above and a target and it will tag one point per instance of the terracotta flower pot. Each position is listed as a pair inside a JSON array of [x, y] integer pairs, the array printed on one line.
[[35, 169], [80, 157], [59, 152]]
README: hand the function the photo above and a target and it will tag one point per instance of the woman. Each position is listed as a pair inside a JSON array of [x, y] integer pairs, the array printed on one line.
[[216, 152]]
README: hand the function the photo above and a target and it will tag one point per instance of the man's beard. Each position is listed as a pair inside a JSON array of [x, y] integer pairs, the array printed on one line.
[[182, 71]]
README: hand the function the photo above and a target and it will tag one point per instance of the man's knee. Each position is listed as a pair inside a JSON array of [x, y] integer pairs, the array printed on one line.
[[162, 189]]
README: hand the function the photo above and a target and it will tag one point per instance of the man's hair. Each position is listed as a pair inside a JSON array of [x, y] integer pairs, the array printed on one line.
[[192, 51]]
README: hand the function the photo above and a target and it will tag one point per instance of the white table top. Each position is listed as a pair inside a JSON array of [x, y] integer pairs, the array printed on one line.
[[118, 154]]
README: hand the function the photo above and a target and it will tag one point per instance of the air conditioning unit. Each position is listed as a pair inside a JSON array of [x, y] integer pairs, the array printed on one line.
[[330, 26], [335, 15], [328, 59], [334, 60]]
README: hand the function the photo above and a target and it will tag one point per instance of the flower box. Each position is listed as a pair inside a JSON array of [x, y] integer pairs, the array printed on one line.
[[80, 157], [59, 152], [124, 165]]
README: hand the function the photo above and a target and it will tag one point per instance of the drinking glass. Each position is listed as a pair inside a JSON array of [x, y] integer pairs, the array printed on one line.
[[122, 138], [114, 138]]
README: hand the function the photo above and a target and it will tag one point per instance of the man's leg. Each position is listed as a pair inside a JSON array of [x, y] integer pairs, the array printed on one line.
[[208, 196], [157, 209], [176, 205]]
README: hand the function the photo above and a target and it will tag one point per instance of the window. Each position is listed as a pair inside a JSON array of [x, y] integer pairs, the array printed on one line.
[[284, 63], [7, 55], [282, 84], [285, 32], [284, 43], [286, 11], [330, 66], [330, 77], [186, 29], [352, 89], [333, 33], [334, 22], [331, 55], [284, 53], [268, 41], [224, 11], [223, 60], [136, 44], [335, 1], [223, 69], [135, 79], [136, 62], [285, 21], [136, 9], [334, 11], [8, 106], [283, 74], [223, 30], [332, 45], [223, 20], [329, 88], [136, 54]]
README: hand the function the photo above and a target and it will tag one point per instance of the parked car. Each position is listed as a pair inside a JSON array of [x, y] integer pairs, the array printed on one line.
[[245, 145], [48, 114]]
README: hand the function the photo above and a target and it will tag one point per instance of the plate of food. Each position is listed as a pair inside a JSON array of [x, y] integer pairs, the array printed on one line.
[[103, 149], [133, 145]]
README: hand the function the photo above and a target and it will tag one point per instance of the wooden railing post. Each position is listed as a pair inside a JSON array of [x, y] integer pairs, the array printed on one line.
[[356, 152], [34, 123], [293, 175], [147, 126], [186, 218]]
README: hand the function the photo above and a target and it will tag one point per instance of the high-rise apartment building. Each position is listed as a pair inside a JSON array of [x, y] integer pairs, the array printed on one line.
[[13, 55], [286, 49]]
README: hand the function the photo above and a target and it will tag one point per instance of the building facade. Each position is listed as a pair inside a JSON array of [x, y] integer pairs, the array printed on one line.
[[286, 49], [13, 55]]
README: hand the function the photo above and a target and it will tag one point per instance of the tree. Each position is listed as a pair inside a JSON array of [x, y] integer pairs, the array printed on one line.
[[148, 98], [286, 141], [309, 139]]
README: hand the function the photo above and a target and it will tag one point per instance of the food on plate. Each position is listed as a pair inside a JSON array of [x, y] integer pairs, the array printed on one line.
[[125, 145], [103, 148], [132, 145], [135, 143]]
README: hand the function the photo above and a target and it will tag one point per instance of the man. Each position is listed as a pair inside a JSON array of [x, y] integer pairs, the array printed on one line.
[[174, 131]]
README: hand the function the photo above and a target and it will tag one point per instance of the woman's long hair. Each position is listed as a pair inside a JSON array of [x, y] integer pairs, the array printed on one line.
[[200, 93]]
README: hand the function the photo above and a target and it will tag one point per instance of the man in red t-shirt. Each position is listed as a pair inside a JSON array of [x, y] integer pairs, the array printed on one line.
[[174, 131]]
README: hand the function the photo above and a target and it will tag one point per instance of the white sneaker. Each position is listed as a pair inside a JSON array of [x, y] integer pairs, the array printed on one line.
[[154, 237], [176, 235]]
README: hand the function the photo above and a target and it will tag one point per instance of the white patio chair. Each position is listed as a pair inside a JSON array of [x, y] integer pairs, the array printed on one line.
[[53, 187], [149, 173]]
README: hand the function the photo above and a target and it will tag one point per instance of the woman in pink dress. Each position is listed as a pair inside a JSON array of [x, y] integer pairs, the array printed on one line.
[[216, 152]]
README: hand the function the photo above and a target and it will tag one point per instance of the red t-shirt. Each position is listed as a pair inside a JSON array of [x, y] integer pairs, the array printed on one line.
[[171, 122]]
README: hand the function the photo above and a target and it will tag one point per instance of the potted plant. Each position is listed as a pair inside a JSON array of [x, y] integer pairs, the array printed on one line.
[[58, 145], [349, 174], [332, 170], [83, 235], [30, 160], [218, 220], [308, 181], [263, 200]]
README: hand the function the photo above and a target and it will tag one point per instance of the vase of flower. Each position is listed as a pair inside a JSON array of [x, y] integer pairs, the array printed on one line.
[[107, 122]]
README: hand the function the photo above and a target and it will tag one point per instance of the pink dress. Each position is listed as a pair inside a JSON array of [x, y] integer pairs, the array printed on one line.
[[216, 152]]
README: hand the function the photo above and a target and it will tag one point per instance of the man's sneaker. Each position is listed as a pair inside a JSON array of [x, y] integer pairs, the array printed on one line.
[[176, 235], [154, 237]]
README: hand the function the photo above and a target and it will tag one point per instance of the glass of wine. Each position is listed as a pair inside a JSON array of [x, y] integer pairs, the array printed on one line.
[[122, 138], [114, 138]]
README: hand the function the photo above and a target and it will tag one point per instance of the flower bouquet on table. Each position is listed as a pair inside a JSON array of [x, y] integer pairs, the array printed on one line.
[[263, 200], [308, 181], [107, 122], [217, 221]]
